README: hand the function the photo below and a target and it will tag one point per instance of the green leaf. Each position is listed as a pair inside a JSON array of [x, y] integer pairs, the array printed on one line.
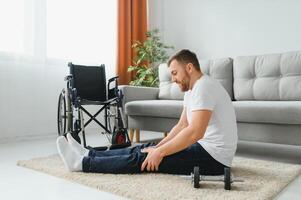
[[151, 52]]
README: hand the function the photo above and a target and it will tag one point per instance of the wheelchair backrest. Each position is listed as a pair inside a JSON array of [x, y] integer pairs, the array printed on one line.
[[89, 81]]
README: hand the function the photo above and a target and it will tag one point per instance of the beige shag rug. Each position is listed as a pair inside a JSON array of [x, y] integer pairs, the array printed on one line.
[[262, 180]]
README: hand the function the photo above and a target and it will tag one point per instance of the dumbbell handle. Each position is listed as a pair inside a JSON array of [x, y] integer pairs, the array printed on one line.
[[212, 178], [218, 178], [206, 177]]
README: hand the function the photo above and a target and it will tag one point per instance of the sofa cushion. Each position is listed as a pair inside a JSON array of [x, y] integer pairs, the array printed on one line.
[[220, 69], [155, 108], [268, 77], [168, 89], [277, 112]]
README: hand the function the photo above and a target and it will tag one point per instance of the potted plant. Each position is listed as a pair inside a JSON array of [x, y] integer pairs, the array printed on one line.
[[149, 55]]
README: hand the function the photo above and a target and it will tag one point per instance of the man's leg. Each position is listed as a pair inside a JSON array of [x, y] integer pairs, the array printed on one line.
[[93, 153], [123, 162], [129, 161], [184, 161], [118, 152], [117, 161], [116, 164]]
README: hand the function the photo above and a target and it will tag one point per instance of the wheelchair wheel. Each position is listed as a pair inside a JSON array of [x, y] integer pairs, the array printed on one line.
[[61, 114]]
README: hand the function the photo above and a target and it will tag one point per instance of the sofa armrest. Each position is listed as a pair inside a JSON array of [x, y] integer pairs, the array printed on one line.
[[134, 93]]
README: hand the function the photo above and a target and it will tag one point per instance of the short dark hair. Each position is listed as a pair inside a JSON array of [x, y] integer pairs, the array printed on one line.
[[185, 56]]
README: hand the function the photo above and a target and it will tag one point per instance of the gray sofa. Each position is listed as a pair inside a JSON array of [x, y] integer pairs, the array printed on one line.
[[265, 91]]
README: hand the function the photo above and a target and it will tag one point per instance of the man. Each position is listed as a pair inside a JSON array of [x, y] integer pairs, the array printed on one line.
[[205, 135]]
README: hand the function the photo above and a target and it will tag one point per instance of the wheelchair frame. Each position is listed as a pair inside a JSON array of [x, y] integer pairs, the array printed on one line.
[[70, 115]]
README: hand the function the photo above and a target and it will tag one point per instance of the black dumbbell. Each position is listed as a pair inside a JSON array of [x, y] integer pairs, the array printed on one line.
[[226, 178]]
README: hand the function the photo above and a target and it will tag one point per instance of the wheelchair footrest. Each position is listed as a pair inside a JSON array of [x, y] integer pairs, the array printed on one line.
[[119, 146], [98, 148], [113, 146]]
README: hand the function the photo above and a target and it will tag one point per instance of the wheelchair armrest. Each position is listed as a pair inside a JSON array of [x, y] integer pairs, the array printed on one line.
[[113, 79]]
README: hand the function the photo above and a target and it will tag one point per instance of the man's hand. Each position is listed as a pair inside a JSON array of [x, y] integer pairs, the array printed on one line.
[[145, 150], [153, 159]]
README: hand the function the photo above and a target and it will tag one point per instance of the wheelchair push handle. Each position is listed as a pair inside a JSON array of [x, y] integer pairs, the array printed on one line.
[[68, 77], [113, 92]]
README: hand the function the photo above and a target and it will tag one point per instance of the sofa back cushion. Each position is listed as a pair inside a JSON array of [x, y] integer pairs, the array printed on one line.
[[268, 77], [168, 89], [220, 69]]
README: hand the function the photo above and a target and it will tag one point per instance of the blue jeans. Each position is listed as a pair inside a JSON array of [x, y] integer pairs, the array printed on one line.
[[129, 160]]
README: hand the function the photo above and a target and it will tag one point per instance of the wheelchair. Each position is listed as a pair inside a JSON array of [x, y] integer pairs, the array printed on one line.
[[86, 85]]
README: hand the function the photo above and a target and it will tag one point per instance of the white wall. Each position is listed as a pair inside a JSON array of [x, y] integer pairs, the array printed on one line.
[[222, 28], [29, 94]]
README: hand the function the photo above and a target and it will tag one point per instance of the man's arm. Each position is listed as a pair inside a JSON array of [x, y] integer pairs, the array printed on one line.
[[186, 137], [189, 135], [182, 123]]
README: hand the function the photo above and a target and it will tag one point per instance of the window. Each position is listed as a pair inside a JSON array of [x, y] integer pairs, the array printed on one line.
[[84, 32], [12, 25]]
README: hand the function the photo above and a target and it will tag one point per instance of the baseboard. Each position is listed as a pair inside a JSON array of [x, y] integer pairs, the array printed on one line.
[[36, 136]]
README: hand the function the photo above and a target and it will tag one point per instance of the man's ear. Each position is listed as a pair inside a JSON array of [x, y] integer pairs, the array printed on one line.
[[189, 67]]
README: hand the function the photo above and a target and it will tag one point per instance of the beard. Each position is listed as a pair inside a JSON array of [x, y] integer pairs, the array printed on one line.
[[184, 85]]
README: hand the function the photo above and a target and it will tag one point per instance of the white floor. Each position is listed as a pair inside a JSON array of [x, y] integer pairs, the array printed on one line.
[[21, 183]]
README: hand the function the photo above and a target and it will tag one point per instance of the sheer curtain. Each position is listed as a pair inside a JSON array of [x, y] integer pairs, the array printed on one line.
[[37, 39], [79, 31], [83, 31]]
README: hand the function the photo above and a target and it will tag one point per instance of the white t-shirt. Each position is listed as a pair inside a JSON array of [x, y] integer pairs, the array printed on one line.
[[220, 138]]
